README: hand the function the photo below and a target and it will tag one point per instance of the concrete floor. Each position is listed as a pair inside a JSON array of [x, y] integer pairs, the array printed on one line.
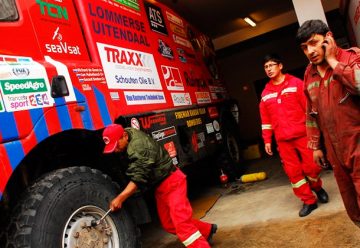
[[265, 214]]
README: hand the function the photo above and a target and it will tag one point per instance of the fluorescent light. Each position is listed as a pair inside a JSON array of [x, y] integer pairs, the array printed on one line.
[[250, 22]]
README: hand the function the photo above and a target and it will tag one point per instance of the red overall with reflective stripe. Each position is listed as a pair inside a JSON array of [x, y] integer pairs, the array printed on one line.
[[282, 110], [175, 212]]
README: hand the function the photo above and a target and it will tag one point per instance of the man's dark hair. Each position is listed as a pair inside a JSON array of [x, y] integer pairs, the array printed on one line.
[[310, 28], [272, 57]]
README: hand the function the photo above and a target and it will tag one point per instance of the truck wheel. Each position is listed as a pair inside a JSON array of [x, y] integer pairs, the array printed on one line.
[[230, 159], [58, 209]]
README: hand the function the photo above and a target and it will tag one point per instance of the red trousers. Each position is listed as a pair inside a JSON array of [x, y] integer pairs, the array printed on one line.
[[175, 212], [347, 176], [300, 168]]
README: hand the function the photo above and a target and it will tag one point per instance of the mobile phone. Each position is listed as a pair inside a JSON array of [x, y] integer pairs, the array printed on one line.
[[324, 42]]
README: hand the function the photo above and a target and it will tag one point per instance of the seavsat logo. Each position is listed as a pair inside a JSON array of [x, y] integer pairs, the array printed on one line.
[[61, 46]]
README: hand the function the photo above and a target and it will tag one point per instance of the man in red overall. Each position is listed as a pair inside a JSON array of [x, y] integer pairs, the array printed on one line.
[[332, 87], [282, 110], [151, 165]]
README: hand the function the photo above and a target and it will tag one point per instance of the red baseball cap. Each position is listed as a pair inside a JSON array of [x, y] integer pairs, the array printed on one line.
[[111, 135]]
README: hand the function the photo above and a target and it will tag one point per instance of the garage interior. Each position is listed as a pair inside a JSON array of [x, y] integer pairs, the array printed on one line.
[[262, 213]]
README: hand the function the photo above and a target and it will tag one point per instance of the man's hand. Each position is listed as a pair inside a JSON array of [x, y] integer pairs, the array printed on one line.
[[330, 49], [268, 149], [320, 159], [116, 203]]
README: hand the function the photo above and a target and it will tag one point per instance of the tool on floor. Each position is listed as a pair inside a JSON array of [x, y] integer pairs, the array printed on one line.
[[253, 177], [223, 178], [97, 222]]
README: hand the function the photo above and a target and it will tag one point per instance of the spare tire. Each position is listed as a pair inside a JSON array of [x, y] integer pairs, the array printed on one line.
[[57, 212]]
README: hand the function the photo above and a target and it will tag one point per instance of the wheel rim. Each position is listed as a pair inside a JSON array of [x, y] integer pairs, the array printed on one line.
[[233, 148], [78, 231]]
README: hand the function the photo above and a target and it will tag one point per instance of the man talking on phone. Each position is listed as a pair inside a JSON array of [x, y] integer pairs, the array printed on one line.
[[332, 88]]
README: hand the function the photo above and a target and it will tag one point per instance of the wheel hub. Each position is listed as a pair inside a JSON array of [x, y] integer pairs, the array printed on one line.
[[78, 232]]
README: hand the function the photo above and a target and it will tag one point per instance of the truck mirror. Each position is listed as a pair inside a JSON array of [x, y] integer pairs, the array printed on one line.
[[59, 87]]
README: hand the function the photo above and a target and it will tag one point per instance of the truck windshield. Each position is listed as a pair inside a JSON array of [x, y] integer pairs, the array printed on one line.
[[8, 11]]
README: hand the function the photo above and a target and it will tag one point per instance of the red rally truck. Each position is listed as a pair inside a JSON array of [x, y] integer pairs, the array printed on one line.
[[68, 68]]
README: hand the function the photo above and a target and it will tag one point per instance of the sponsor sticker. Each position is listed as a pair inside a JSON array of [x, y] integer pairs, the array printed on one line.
[[114, 95], [181, 41], [144, 97], [133, 4], [189, 113], [128, 69], [178, 30], [148, 121], [165, 50], [209, 128], [135, 123], [202, 97], [174, 19], [58, 45], [181, 99], [164, 133], [213, 112], [201, 140], [89, 74], [216, 125], [21, 94], [171, 148], [23, 84], [172, 78], [156, 18], [194, 122]]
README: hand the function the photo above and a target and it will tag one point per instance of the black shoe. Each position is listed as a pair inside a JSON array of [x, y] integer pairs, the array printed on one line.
[[322, 196], [307, 209], [212, 232]]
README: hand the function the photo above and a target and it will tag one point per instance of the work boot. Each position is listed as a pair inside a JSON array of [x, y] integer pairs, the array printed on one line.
[[307, 209], [212, 232], [322, 196]]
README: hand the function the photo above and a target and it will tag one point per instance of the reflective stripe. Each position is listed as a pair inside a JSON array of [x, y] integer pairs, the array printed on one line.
[[327, 82], [312, 85], [192, 238], [312, 179], [299, 184], [268, 96], [287, 90], [266, 126], [311, 124], [357, 79]]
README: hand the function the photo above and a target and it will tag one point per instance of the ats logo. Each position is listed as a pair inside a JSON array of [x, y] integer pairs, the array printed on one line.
[[148, 121]]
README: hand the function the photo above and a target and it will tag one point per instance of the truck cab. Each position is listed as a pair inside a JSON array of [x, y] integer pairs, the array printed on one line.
[[69, 68]]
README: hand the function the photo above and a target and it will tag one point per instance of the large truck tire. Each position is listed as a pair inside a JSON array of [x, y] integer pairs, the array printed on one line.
[[57, 212], [230, 159]]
